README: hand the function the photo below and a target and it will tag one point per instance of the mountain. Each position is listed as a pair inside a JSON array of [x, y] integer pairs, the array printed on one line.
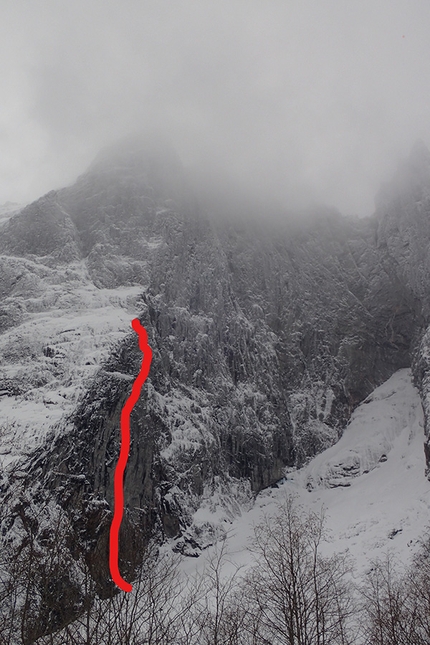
[[265, 336], [369, 485]]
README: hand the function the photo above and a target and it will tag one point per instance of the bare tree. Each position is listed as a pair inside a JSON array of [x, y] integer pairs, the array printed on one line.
[[216, 614], [298, 596], [418, 593], [390, 605], [397, 602], [28, 561], [152, 614]]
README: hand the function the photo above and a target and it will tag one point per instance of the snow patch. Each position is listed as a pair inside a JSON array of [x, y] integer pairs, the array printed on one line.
[[386, 509], [68, 328]]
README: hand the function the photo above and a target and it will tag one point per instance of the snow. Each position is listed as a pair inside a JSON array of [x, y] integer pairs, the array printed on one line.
[[187, 422], [370, 435], [371, 483], [68, 328], [369, 513]]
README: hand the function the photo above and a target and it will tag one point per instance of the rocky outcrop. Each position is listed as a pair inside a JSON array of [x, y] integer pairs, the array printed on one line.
[[41, 229], [404, 235], [265, 338]]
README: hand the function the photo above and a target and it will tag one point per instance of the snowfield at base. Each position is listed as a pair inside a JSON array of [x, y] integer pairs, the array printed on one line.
[[369, 513]]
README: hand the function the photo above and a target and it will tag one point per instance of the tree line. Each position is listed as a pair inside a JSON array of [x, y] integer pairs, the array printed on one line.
[[290, 595]]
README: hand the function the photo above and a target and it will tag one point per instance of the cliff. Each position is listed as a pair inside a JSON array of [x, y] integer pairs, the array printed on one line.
[[265, 338]]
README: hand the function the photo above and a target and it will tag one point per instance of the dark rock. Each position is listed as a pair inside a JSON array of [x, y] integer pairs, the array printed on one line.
[[264, 338]]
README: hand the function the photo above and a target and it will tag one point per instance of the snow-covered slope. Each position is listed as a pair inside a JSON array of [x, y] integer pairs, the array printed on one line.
[[381, 504], [264, 339], [384, 509], [371, 434], [68, 326]]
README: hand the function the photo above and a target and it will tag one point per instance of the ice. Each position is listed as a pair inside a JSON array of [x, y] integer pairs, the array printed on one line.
[[384, 510], [68, 328]]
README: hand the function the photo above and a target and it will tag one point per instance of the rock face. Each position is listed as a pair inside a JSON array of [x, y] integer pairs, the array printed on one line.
[[404, 234], [264, 338]]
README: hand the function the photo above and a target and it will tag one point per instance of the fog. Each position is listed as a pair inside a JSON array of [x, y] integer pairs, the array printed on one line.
[[293, 101]]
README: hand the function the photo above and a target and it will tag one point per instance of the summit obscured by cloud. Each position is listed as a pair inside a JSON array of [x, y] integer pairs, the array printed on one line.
[[297, 102]]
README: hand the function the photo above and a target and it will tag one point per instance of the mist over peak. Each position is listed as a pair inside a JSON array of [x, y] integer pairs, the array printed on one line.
[[419, 159], [210, 186], [227, 157], [138, 152], [411, 179]]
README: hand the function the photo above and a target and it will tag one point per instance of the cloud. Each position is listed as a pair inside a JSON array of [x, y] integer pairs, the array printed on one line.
[[296, 101]]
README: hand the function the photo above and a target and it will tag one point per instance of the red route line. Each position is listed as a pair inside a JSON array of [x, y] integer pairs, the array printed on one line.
[[118, 482]]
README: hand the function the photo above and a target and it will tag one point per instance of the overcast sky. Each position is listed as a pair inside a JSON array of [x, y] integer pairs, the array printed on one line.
[[294, 98]]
